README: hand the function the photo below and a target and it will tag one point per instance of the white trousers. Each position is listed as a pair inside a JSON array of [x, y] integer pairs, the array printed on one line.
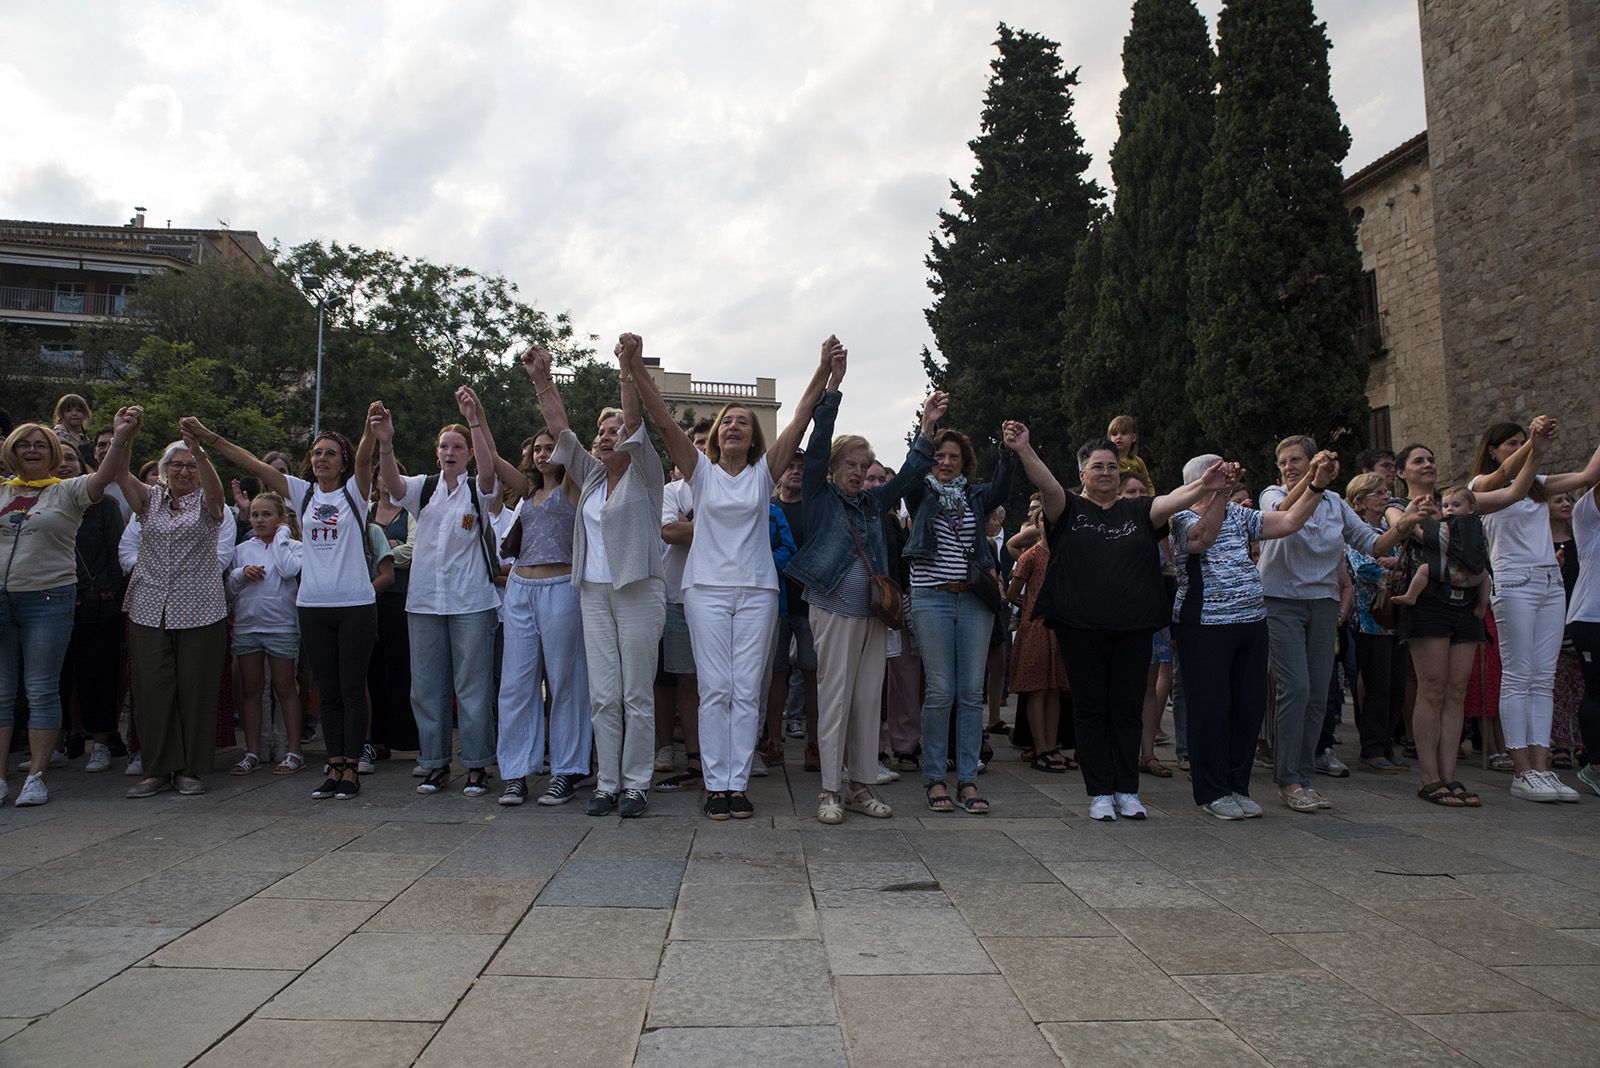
[[621, 641], [850, 668], [543, 647], [731, 629], [1530, 612]]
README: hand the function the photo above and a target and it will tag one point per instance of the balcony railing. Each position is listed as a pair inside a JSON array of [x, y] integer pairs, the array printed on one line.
[[724, 389], [22, 298]]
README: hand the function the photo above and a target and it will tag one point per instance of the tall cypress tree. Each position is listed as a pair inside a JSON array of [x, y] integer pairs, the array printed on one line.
[[1086, 393], [1276, 284], [1138, 351], [1007, 248]]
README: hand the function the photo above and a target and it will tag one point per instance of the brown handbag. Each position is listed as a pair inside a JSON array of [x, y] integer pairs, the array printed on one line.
[[884, 599]]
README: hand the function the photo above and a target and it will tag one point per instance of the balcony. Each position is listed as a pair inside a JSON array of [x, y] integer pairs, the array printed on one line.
[[60, 302]]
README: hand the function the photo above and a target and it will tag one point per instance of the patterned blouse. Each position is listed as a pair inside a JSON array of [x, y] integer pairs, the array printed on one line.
[[177, 583]]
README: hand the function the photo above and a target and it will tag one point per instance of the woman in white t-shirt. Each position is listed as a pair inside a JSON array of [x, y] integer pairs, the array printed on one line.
[[1529, 607], [730, 586], [337, 595], [1583, 627], [39, 517]]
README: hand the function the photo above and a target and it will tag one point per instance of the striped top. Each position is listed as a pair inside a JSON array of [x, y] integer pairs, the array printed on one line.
[[850, 596], [954, 540], [1220, 585]]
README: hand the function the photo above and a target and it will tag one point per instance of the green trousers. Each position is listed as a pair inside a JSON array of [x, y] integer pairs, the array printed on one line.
[[176, 675]]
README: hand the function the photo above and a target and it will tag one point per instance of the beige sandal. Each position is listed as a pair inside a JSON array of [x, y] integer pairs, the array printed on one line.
[[247, 763], [829, 810], [291, 763], [868, 804]]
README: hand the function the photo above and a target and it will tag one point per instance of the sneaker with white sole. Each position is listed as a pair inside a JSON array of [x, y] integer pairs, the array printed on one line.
[[32, 792], [5, 790], [1129, 806], [1530, 786], [562, 788], [515, 793], [58, 759], [1103, 807], [1328, 764], [369, 760], [887, 774], [135, 765], [664, 758], [1590, 777], [1563, 791], [419, 772], [1296, 797], [1224, 808], [1321, 802], [633, 804], [758, 767], [99, 758], [1251, 810]]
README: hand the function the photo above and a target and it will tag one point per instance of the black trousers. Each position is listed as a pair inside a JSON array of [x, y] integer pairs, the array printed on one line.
[[92, 670], [1108, 670], [338, 643], [1382, 667], [389, 677], [1586, 637], [1224, 669]]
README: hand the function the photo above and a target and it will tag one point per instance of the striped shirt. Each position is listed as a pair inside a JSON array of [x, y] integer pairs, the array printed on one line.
[[953, 549], [1220, 585], [850, 596]]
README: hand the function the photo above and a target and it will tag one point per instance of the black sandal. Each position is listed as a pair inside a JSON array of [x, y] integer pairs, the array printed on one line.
[[690, 779], [974, 805], [1467, 797], [1052, 762], [944, 802], [1439, 793]]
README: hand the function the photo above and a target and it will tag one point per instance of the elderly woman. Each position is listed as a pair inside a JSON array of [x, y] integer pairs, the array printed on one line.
[[1220, 621], [1105, 599], [451, 600], [844, 552], [40, 513], [730, 584], [617, 569], [177, 608]]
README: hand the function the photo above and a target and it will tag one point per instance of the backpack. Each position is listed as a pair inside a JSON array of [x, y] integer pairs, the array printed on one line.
[[360, 517], [486, 541]]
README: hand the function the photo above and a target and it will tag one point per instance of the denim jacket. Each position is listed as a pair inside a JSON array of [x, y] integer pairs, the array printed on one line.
[[831, 517], [982, 499]]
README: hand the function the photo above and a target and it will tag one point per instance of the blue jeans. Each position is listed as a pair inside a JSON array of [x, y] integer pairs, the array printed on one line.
[[35, 628], [455, 649], [953, 632]]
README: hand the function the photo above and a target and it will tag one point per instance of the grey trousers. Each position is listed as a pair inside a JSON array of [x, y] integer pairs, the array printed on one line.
[[1300, 637]]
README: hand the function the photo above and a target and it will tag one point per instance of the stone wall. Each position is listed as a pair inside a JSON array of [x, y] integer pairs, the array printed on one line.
[[1514, 151]]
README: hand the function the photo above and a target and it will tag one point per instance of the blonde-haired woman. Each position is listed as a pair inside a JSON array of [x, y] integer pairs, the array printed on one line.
[[843, 554]]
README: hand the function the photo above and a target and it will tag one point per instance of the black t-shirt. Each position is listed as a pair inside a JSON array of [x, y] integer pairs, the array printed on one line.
[[1105, 568], [795, 513]]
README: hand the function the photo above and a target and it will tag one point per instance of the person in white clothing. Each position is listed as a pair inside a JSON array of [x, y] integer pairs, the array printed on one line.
[[263, 580], [730, 586], [452, 602], [1529, 605]]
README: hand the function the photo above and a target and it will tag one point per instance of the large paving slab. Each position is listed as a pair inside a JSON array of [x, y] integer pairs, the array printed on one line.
[[386, 977], [979, 1019], [457, 906], [64, 962], [1497, 1039], [1203, 1043], [745, 910], [267, 932], [640, 883], [582, 1023], [911, 941], [780, 983], [1061, 979], [585, 943], [295, 1043], [739, 1047]]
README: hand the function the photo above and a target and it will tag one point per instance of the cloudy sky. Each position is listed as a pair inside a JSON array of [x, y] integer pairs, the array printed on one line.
[[734, 181]]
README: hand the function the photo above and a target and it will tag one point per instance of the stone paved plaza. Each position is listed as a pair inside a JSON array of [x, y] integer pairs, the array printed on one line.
[[253, 926]]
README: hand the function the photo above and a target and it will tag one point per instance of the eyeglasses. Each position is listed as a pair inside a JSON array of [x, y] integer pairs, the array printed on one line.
[[1102, 469], [174, 465]]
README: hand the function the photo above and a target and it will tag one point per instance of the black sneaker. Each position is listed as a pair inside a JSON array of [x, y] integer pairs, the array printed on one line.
[[739, 807], [477, 782], [368, 762], [633, 803], [515, 793], [348, 788], [434, 782], [717, 805], [600, 804], [562, 788], [329, 787]]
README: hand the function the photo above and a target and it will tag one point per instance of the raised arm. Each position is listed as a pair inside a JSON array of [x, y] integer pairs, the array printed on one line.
[[271, 478], [511, 478], [781, 451], [1574, 481], [627, 382], [363, 471], [1214, 480], [679, 448], [1202, 534], [482, 438], [380, 426], [210, 481], [1287, 520], [919, 458], [1051, 495], [536, 361], [1528, 457], [125, 427]]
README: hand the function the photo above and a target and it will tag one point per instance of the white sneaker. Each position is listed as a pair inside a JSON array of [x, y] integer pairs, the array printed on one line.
[[1563, 791], [5, 790], [1129, 805], [369, 760], [664, 758], [1224, 808], [32, 792], [1251, 810], [58, 759], [887, 774], [135, 765], [1103, 807], [99, 758], [418, 772], [758, 767], [1530, 786], [1328, 764]]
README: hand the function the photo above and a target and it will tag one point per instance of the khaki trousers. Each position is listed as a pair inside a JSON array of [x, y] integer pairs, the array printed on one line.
[[176, 678], [850, 666]]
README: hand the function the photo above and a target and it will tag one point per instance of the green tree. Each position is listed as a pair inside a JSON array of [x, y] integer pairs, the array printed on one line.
[[1138, 351], [1086, 392], [998, 270], [1276, 281]]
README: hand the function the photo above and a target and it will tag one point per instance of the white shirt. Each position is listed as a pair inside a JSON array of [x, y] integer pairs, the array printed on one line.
[[502, 525], [1519, 536], [677, 502], [596, 568], [448, 573], [114, 491], [333, 564], [1584, 605], [267, 606], [732, 544]]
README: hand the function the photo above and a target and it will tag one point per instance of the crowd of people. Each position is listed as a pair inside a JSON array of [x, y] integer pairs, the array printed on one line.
[[572, 613]]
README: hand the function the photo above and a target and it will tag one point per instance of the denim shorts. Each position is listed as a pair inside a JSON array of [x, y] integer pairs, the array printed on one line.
[[281, 646]]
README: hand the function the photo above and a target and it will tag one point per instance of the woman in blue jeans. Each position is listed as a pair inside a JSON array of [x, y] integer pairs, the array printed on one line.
[[948, 550], [39, 517]]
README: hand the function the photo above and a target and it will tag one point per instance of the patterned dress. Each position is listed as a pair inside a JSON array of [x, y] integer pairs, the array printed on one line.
[[1035, 656]]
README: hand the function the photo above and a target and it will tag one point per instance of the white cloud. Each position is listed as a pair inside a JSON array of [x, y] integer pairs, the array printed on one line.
[[734, 181]]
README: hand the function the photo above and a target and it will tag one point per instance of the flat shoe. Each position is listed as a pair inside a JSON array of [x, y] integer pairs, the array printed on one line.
[[149, 787]]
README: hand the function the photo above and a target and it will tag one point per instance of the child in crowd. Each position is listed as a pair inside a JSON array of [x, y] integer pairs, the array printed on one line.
[[1458, 546], [263, 580], [1124, 434]]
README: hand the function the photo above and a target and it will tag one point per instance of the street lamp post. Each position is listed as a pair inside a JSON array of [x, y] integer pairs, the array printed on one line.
[[313, 284]]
